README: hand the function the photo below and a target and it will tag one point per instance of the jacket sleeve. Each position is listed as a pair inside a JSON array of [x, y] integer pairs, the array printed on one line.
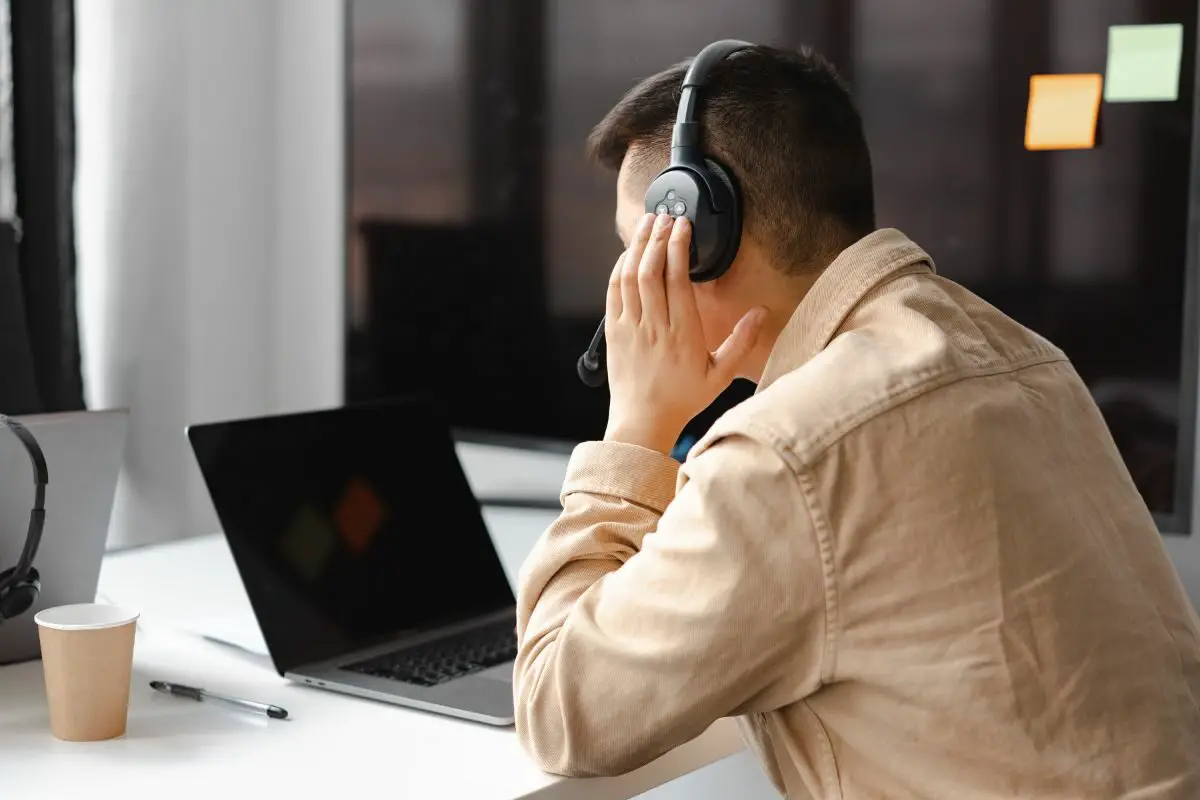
[[646, 614]]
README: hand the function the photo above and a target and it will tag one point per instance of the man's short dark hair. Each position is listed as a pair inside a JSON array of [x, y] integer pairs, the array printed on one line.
[[786, 126]]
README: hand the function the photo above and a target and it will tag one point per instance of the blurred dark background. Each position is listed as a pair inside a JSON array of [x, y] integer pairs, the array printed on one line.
[[480, 239]]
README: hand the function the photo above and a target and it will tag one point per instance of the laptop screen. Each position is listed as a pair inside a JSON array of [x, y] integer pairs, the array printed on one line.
[[349, 526]]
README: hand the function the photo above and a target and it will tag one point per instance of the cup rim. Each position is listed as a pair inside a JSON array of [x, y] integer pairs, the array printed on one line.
[[115, 617]]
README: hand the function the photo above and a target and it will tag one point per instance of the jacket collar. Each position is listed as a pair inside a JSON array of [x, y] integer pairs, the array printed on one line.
[[859, 268]]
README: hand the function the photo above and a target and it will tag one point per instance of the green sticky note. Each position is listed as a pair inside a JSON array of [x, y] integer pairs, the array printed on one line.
[[1143, 63]]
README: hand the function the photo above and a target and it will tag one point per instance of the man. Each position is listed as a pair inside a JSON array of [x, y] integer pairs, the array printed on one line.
[[913, 564]]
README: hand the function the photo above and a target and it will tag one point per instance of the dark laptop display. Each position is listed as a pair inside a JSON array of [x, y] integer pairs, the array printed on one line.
[[350, 526]]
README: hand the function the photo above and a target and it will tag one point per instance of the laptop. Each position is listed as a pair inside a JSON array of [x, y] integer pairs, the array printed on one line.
[[365, 555], [84, 452]]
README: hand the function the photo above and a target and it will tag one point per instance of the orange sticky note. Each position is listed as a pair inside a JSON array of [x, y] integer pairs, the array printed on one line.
[[1063, 111]]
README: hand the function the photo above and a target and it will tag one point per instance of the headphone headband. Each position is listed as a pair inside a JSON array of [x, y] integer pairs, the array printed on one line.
[[37, 516], [36, 458], [685, 139]]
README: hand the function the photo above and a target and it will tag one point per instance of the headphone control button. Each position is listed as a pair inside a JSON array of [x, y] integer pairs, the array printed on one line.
[[661, 208], [679, 209], [671, 195]]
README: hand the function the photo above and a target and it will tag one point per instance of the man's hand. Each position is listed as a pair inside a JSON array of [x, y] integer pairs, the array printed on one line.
[[660, 372]]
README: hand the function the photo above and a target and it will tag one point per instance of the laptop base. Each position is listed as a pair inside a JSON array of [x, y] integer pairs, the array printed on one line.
[[485, 697]]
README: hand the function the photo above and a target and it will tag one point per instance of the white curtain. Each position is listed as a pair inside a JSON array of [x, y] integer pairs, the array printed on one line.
[[210, 210]]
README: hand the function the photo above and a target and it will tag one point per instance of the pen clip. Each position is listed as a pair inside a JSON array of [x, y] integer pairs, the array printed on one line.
[[188, 691], [178, 690]]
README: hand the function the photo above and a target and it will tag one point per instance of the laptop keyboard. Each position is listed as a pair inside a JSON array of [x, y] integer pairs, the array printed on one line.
[[443, 660]]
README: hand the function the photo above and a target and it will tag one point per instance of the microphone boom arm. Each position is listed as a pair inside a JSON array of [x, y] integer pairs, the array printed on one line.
[[591, 365]]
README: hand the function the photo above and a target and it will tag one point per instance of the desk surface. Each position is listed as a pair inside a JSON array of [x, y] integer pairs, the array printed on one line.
[[332, 744]]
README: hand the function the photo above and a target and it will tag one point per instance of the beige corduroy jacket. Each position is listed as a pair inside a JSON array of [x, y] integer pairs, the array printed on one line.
[[913, 564]]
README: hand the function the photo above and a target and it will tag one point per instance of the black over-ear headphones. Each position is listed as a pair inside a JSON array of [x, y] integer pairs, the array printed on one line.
[[695, 186], [19, 585]]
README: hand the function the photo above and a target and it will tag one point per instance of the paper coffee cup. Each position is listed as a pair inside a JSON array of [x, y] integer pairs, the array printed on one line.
[[87, 658]]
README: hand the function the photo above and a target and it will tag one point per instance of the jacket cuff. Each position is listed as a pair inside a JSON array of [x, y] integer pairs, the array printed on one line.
[[632, 473]]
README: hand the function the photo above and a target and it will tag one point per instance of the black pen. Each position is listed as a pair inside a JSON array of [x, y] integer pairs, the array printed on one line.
[[200, 695]]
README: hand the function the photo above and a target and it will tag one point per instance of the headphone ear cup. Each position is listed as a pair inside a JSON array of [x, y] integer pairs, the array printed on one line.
[[21, 596], [727, 224]]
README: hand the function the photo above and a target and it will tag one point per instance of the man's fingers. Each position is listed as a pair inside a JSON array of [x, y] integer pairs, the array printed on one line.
[[737, 346], [650, 273], [612, 301], [630, 301], [681, 299]]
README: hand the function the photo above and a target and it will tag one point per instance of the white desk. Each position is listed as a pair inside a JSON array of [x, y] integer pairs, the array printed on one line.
[[334, 746]]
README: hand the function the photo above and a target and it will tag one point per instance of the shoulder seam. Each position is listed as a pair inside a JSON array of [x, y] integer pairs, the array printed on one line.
[[824, 534], [822, 531], [805, 453]]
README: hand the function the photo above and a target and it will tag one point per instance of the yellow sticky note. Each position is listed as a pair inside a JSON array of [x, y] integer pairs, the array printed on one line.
[[1063, 112]]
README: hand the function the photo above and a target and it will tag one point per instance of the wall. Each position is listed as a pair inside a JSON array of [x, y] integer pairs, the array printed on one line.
[[210, 213]]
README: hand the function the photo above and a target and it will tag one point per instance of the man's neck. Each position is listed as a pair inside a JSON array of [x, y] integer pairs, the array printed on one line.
[[781, 295]]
